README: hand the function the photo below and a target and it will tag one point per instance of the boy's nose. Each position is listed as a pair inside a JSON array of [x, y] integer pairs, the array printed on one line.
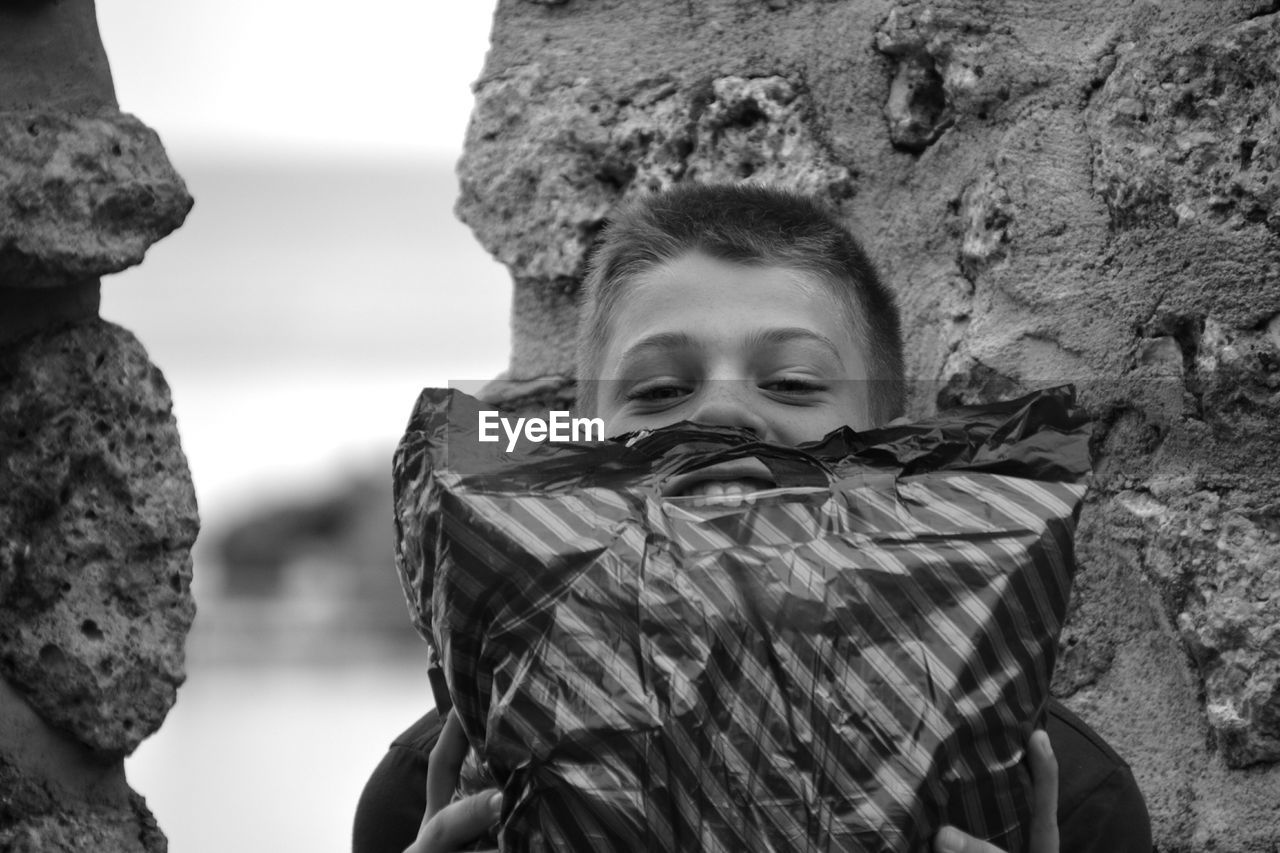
[[727, 404]]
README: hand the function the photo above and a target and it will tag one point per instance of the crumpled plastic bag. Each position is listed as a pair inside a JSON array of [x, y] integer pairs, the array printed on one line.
[[847, 663]]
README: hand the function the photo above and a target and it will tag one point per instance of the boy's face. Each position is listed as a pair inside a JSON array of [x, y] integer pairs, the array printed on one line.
[[762, 347]]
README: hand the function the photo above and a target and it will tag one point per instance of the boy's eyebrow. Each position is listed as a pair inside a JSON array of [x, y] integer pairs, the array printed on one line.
[[787, 334], [659, 342], [759, 339]]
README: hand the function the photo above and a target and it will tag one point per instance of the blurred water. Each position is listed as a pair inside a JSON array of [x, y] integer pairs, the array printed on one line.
[[272, 756]]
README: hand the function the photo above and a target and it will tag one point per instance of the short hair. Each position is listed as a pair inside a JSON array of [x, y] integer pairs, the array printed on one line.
[[742, 223]]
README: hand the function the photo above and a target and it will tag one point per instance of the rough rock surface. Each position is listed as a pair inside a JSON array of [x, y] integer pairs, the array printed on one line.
[[81, 196], [1079, 191], [47, 826], [1194, 134], [58, 794], [606, 145], [97, 511], [97, 518]]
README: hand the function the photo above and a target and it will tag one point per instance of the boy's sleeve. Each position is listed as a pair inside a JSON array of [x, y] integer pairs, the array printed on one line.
[[395, 797], [1100, 809]]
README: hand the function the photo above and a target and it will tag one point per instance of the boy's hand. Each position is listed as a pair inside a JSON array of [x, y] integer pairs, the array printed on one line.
[[448, 826], [1044, 812]]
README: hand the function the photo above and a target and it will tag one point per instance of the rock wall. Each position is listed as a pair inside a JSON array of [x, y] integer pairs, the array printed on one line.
[[1082, 190], [97, 510]]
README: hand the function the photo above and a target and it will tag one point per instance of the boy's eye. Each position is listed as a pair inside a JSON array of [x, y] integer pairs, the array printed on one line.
[[793, 385], [657, 392]]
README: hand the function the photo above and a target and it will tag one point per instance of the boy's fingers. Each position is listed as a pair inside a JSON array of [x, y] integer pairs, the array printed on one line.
[[1044, 780], [951, 840], [1044, 809], [459, 823], [444, 765], [448, 825]]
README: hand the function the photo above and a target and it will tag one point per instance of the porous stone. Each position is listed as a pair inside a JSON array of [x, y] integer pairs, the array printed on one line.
[[1214, 551], [541, 343], [81, 196], [1193, 135], [987, 212], [58, 794], [97, 518], [50, 763], [918, 108], [1232, 620], [80, 829], [951, 61]]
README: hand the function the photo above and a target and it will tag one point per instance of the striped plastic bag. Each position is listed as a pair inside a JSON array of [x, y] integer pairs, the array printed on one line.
[[847, 663]]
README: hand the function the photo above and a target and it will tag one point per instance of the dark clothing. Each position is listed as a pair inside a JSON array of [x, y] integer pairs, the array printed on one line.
[[1100, 809], [395, 797]]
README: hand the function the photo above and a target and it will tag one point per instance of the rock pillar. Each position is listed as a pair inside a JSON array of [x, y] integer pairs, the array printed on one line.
[[97, 510]]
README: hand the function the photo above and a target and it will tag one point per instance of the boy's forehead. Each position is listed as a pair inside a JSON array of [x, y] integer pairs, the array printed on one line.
[[697, 298]]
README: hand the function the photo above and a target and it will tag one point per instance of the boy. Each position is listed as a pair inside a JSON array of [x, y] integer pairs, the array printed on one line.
[[749, 307]]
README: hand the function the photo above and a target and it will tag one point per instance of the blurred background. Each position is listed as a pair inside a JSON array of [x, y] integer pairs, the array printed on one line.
[[319, 282]]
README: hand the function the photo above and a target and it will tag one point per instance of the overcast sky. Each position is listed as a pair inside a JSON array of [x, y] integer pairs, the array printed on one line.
[[321, 278], [314, 75]]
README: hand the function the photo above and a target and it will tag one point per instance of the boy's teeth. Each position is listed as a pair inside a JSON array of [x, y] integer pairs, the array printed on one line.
[[723, 493]]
